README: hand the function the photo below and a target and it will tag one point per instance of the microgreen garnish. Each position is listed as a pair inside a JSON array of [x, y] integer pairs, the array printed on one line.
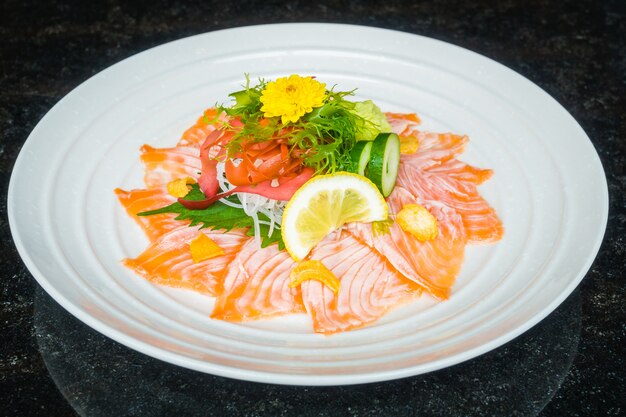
[[325, 134]]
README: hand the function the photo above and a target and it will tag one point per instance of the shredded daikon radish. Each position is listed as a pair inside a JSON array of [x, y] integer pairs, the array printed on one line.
[[257, 229], [225, 185], [253, 204]]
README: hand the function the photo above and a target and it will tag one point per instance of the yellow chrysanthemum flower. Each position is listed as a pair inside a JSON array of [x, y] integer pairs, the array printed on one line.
[[292, 97]]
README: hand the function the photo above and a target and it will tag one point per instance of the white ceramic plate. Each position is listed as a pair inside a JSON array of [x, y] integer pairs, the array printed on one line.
[[549, 189]]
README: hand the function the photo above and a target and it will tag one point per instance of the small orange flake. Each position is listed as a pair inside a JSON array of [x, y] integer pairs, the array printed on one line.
[[409, 144], [203, 248], [316, 270], [405, 116], [418, 221], [179, 188]]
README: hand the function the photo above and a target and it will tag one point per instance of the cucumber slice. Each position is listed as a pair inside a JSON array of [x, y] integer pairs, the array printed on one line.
[[384, 162], [360, 156]]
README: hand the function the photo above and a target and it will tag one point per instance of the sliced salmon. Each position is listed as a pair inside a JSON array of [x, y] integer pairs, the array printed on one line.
[[433, 264], [139, 200], [167, 261], [369, 286], [257, 285], [462, 171], [163, 165], [403, 123], [480, 221], [435, 149], [196, 134]]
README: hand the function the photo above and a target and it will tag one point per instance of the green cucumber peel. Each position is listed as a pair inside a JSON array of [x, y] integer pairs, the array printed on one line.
[[384, 162], [360, 156]]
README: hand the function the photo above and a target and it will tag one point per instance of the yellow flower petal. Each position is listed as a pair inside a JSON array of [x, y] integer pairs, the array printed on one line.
[[292, 97], [418, 221], [313, 270], [203, 248]]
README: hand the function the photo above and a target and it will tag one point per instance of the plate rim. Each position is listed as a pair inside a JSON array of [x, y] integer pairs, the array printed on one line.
[[280, 378]]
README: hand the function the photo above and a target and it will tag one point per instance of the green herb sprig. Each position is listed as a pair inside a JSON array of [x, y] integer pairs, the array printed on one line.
[[326, 135]]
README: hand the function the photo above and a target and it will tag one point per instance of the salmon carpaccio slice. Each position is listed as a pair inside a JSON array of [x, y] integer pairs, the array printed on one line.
[[462, 171], [196, 134], [434, 149], [163, 165], [167, 261], [433, 173], [257, 285], [480, 221], [139, 200], [369, 286], [433, 264], [402, 123]]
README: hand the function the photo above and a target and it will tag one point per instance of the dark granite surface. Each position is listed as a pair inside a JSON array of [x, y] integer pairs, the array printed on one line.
[[571, 364]]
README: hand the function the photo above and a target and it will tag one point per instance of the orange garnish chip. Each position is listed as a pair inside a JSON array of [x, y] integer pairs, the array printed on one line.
[[179, 188], [316, 270], [203, 248], [409, 144], [418, 221], [405, 116]]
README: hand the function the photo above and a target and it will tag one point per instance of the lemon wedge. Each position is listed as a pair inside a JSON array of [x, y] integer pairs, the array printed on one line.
[[324, 204]]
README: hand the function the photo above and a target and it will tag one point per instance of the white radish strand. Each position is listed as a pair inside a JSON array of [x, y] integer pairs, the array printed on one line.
[[253, 204]]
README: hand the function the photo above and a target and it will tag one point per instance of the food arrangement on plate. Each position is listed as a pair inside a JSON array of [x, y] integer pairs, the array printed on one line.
[[297, 199]]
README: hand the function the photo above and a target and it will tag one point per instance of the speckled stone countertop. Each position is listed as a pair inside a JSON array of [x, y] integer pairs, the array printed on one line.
[[570, 364]]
